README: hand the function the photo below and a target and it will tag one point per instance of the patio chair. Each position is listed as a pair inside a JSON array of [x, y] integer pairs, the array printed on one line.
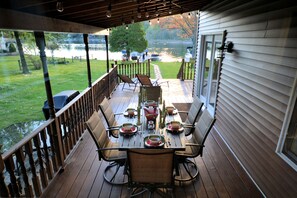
[[107, 150], [149, 170], [147, 82], [126, 80], [151, 93], [192, 116], [194, 148], [109, 117]]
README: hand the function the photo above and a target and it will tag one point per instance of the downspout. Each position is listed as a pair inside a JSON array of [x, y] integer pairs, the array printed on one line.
[[40, 42]]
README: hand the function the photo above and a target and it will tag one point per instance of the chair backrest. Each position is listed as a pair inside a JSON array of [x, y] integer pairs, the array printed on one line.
[[150, 166], [126, 79], [107, 112], [151, 93], [203, 127], [194, 110], [144, 80], [97, 130]]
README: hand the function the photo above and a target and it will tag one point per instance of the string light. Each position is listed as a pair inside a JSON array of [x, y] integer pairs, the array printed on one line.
[[108, 12], [189, 15], [150, 22], [147, 15], [127, 27], [59, 6], [158, 20]]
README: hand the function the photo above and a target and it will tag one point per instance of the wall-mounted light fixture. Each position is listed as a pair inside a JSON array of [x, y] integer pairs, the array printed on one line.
[[60, 6], [225, 47], [108, 12]]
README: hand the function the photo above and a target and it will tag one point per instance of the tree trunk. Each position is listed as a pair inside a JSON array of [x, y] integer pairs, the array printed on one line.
[[21, 52]]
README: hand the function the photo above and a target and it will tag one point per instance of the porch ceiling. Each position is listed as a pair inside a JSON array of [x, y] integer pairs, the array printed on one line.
[[93, 12]]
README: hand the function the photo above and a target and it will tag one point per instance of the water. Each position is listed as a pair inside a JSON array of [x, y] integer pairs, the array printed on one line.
[[169, 50], [14, 133]]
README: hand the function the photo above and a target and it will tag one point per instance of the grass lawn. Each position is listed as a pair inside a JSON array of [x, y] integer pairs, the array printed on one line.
[[168, 70], [22, 96]]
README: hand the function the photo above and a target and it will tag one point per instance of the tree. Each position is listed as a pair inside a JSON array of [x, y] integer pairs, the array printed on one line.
[[131, 39], [21, 52], [53, 42], [186, 22]]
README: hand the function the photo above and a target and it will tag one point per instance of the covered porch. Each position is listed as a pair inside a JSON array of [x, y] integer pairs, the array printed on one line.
[[220, 173]]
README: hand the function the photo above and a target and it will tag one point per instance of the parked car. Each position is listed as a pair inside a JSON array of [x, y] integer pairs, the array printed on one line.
[[134, 55], [155, 57]]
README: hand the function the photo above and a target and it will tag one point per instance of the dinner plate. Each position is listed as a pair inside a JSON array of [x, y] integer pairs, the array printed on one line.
[[159, 141], [128, 129], [126, 114], [169, 128]]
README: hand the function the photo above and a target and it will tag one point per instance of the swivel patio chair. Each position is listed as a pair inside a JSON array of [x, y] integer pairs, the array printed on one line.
[[149, 170], [107, 150], [147, 82], [194, 148], [126, 80], [109, 117], [192, 115]]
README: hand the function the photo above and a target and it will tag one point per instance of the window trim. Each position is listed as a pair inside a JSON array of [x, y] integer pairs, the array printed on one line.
[[285, 127]]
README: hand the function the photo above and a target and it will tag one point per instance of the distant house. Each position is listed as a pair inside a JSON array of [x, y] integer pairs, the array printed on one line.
[[252, 91]]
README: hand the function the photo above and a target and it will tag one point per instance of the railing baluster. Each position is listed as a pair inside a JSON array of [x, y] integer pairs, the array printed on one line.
[[48, 164], [53, 147], [21, 160], [14, 186], [42, 173], [3, 188], [35, 178]]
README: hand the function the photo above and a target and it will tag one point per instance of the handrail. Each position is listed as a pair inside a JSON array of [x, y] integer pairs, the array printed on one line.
[[186, 70], [131, 69], [31, 164]]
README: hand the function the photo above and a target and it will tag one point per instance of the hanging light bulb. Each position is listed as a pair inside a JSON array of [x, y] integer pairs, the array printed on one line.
[[147, 15], [132, 20], [197, 13], [158, 20], [138, 13], [170, 10], [59, 6], [127, 27], [189, 15], [108, 12], [157, 12], [150, 22], [164, 2]]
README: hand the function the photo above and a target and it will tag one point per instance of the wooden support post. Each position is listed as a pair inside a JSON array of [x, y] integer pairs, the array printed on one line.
[[107, 54], [59, 151], [86, 41]]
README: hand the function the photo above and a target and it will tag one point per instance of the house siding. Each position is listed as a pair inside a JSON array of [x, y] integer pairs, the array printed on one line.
[[255, 84]]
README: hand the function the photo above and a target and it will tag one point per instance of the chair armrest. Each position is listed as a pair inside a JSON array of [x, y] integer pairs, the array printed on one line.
[[183, 112], [118, 114], [194, 144], [106, 149]]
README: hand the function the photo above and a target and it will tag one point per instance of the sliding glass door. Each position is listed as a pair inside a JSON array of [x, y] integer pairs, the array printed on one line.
[[209, 70]]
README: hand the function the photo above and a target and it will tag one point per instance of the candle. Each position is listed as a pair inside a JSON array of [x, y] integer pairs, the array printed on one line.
[[138, 115], [139, 98]]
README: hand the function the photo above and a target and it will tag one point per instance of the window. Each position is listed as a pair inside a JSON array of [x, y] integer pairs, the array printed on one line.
[[287, 146], [209, 71]]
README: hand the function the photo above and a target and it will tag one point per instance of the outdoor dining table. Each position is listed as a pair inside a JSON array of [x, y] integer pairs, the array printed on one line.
[[173, 140]]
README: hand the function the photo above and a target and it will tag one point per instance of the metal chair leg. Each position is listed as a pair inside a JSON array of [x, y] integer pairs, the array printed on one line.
[[191, 175], [110, 180]]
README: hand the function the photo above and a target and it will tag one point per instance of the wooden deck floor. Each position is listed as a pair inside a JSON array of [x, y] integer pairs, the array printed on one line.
[[220, 173]]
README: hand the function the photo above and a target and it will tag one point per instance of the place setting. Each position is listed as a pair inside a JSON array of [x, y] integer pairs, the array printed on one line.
[[130, 113], [174, 127], [171, 110], [128, 129], [154, 141]]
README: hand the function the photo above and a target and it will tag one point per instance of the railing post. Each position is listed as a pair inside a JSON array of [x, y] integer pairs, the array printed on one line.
[[3, 188], [149, 68], [182, 69]]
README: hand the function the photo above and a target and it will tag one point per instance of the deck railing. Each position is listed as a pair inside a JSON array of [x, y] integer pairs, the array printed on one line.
[[186, 70], [131, 69], [28, 167]]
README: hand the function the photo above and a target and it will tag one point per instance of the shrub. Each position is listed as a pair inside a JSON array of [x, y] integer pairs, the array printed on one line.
[[11, 48]]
